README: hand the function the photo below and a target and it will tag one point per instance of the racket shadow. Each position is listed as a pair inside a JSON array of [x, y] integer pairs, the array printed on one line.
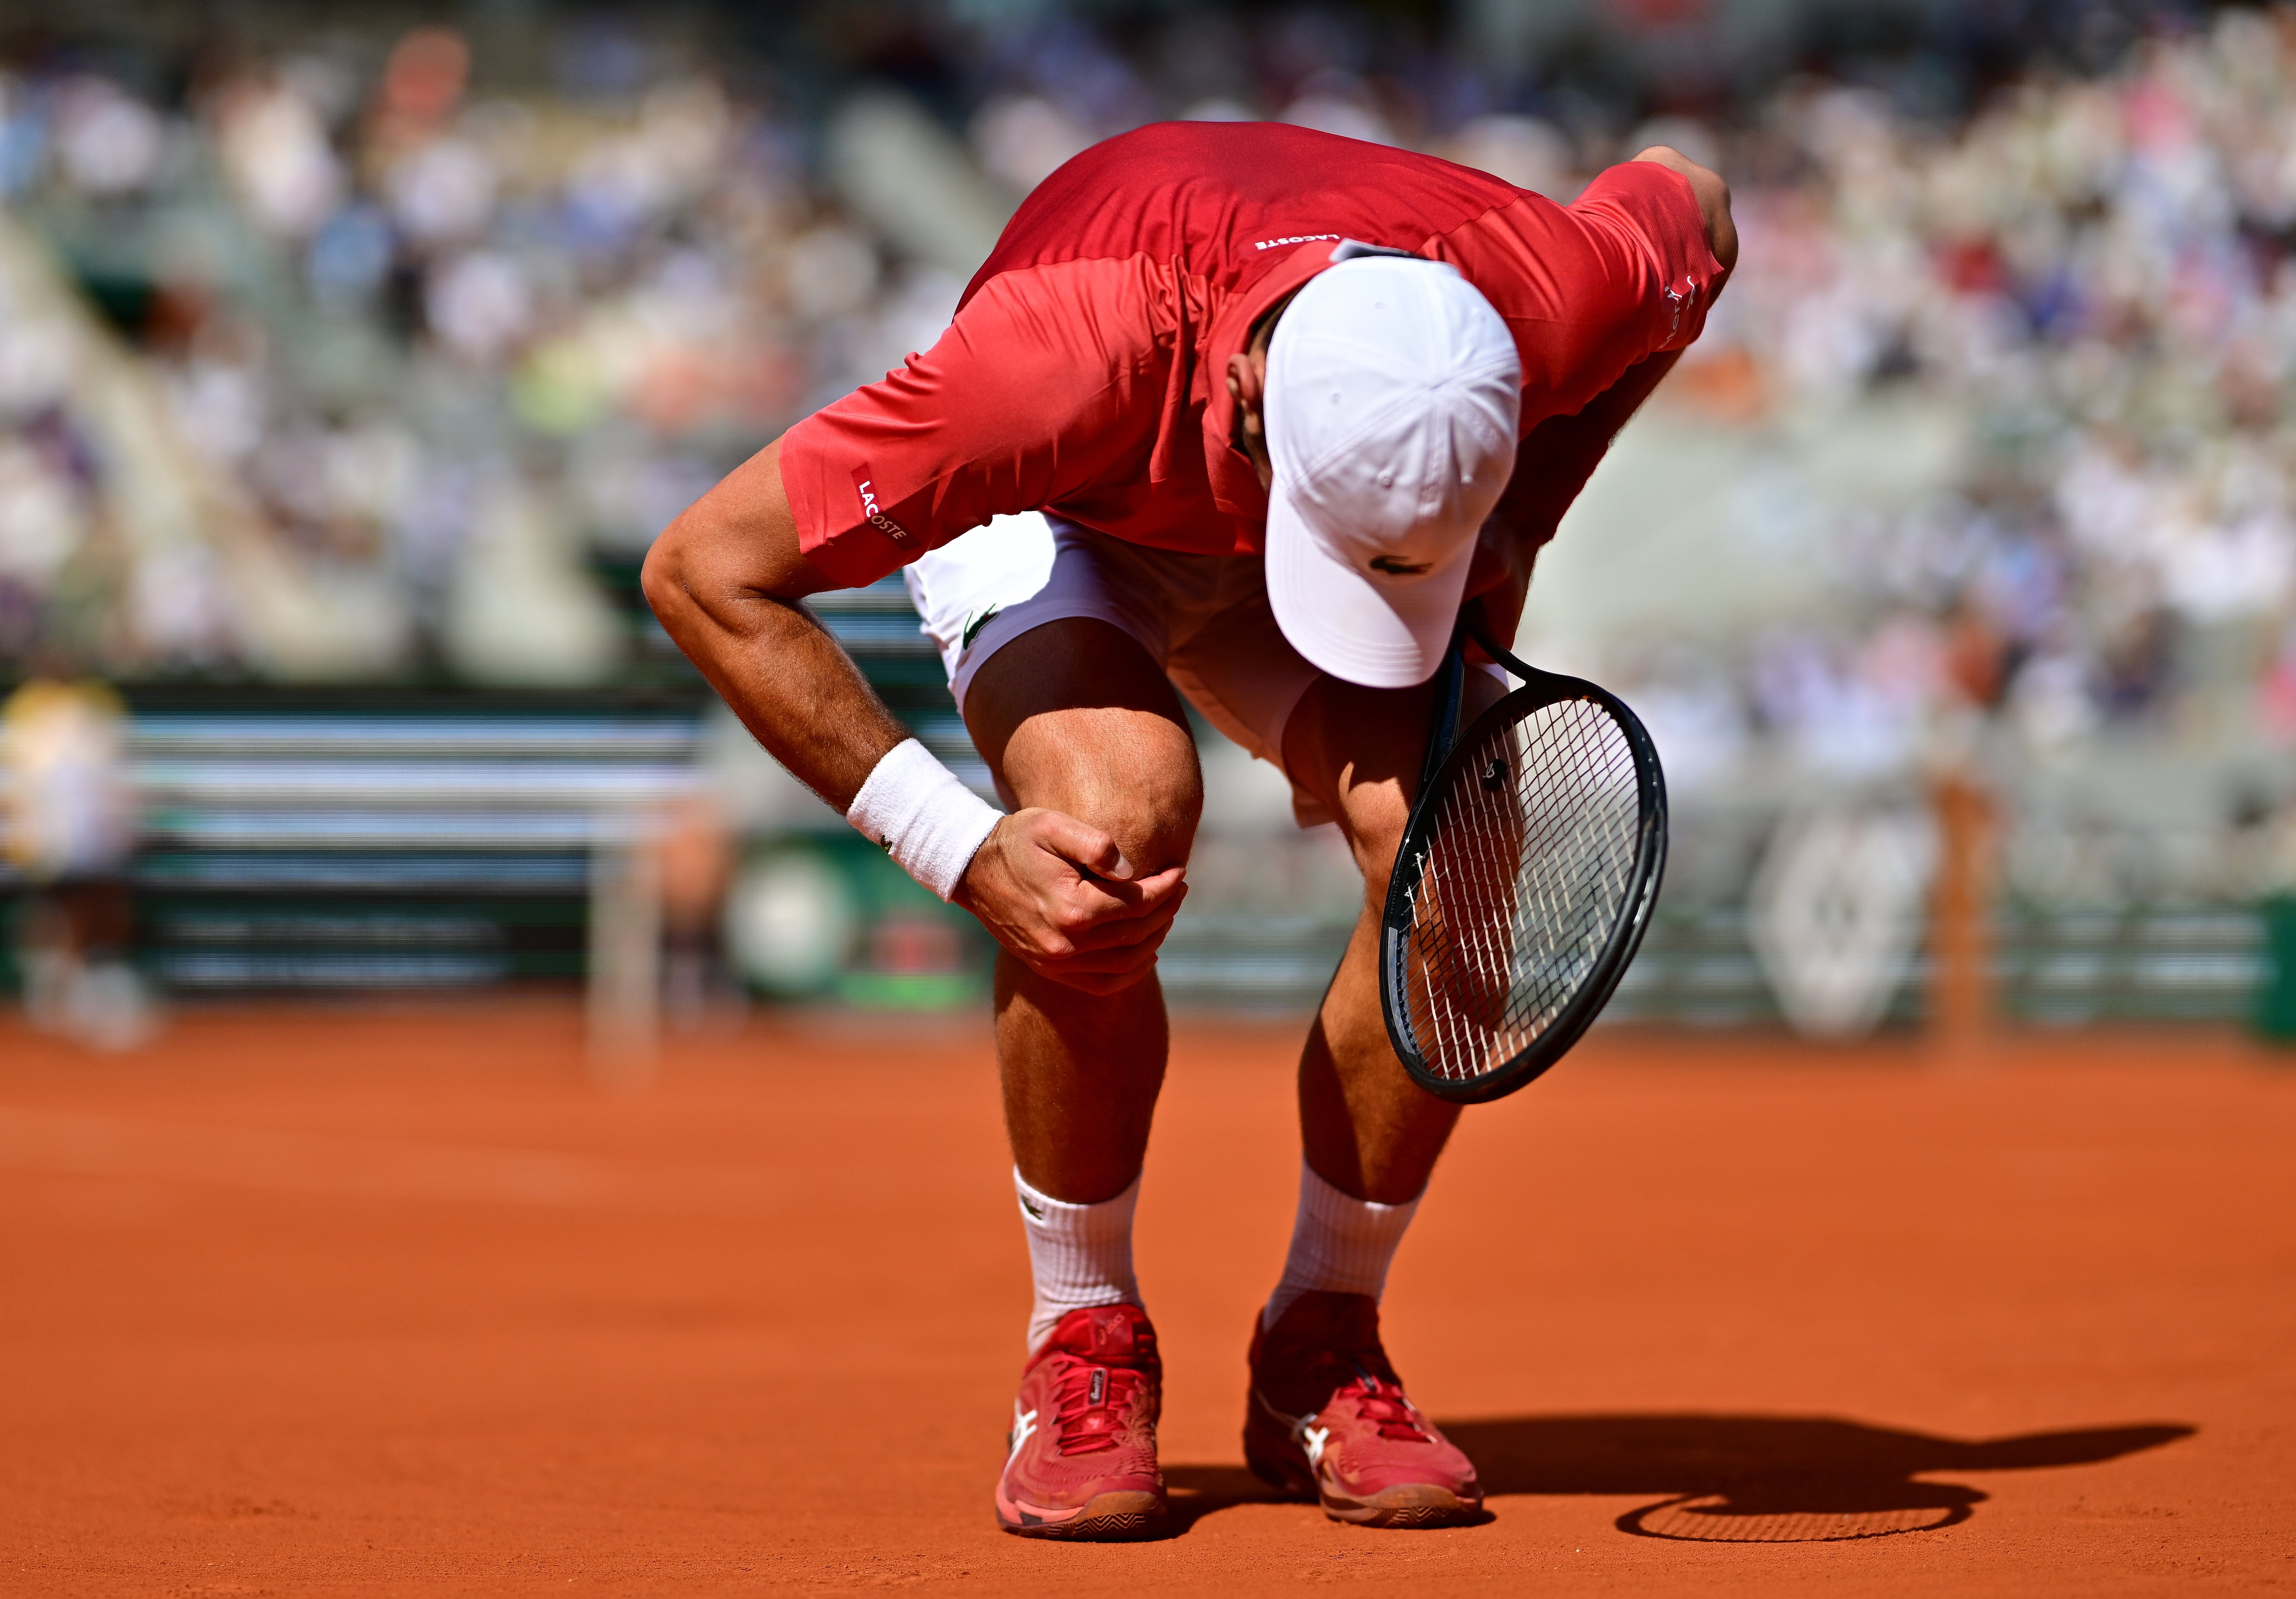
[[1771, 1479]]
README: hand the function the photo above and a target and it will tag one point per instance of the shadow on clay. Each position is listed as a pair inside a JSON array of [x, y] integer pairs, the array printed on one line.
[[1728, 1478]]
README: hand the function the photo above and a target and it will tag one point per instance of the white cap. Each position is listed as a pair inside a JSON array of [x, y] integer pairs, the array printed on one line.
[[1393, 390]]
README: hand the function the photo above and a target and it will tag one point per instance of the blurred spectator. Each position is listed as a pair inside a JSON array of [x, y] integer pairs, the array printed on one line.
[[696, 847], [70, 827]]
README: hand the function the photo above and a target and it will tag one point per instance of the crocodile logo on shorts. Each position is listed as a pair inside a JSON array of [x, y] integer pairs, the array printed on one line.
[[974, 623], [1396, 566]]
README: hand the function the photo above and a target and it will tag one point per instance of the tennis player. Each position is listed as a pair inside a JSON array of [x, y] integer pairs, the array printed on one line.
[[1242, 412]]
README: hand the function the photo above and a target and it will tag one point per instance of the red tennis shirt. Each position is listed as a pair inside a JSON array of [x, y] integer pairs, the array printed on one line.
[[1085, 373]]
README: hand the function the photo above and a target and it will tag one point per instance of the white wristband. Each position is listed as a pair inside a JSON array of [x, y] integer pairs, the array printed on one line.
[[931, 824]]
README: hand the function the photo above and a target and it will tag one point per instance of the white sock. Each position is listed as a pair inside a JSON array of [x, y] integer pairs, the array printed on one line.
[[1081, 1255], [1339, 1242]]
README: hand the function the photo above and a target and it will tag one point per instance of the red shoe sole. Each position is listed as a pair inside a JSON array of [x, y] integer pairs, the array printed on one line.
[[1412, 1505], [1125, 1517]]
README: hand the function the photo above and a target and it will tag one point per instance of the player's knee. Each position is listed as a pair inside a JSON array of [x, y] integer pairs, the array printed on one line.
[[1153, 824], [1130, 773]]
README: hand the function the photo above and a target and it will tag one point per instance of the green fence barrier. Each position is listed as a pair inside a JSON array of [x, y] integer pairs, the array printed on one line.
[[2275, 992]]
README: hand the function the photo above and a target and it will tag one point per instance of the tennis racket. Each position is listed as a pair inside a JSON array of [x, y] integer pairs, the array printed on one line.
[[1525, 879]]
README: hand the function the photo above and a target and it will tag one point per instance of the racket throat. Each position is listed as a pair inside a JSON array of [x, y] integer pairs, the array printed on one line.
[[1443, 725]]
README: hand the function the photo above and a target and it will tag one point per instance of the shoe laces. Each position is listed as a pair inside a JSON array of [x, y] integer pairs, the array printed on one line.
[[1090, 1405], [1380, 1400]]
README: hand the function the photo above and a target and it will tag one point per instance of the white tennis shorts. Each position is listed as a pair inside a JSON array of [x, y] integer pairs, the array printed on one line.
[[1203, 619]]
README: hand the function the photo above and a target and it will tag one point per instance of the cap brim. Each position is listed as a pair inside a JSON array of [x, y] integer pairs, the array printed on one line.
[[1381, 634]]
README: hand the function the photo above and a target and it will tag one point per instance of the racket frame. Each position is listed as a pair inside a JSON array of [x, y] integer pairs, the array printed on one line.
[[1445, 756]]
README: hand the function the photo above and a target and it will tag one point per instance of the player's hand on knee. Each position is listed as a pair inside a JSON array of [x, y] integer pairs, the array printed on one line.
[[1060, 895]]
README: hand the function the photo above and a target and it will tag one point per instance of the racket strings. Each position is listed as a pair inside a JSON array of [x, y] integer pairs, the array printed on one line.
[[1520, 939], [1490, 1010], [1525, 874]]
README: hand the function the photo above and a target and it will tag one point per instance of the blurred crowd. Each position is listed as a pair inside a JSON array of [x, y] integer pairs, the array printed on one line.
[[427, 364], [2096, 276], [338, 363]]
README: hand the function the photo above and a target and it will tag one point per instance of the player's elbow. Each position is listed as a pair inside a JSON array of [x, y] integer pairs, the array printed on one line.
[[663, 578], [734, 545], [1721, 227], [701, 546], [694, 572]]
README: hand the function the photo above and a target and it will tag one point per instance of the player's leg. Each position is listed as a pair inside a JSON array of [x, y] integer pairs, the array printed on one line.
[[1075, 715], [1052, 639], [1353, 754], [1328, 1414], [1367, 1128]]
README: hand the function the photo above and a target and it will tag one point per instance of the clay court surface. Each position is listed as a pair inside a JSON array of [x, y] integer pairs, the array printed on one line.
[[311, 1302]]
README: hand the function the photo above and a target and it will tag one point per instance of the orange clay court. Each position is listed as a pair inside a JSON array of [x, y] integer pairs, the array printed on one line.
[[311, 1302]]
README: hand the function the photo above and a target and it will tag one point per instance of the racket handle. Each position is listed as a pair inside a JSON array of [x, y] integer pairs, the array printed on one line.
[[1451, 679]]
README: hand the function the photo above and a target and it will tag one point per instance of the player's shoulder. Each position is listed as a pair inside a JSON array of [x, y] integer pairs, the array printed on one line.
[[1269, 159], [1207, 146], [1215, 192], [1147, 168]]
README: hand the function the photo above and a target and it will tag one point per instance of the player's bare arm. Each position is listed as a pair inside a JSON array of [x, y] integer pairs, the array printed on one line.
[[728, 580]]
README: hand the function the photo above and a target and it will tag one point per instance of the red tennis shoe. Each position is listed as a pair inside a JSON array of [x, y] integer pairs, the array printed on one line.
[[1328, 1420], [1083, 1448]]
